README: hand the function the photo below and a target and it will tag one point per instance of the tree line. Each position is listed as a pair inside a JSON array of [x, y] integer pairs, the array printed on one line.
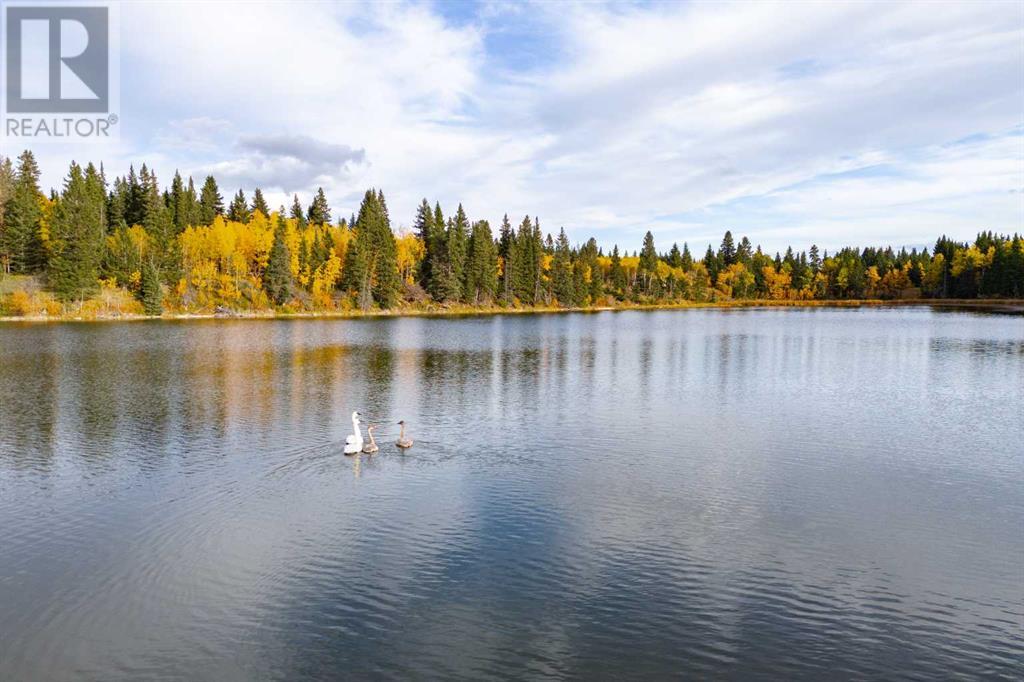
[[185, 249]]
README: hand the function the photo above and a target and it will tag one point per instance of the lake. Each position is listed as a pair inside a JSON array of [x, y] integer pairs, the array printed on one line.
[[721, 493]]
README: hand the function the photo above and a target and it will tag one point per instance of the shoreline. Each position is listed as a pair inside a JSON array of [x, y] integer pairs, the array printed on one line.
[[1007, 306]]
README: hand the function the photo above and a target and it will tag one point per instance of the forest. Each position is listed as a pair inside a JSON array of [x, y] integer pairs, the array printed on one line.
[[126, 246]]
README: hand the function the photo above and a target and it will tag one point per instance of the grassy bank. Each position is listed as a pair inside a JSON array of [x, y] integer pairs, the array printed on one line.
[[23, 301]]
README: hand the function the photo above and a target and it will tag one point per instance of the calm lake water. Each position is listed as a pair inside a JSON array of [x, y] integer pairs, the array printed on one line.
[[747, 493]]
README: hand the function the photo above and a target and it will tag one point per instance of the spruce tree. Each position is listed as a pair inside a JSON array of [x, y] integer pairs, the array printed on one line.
[[687, 259], [259, 203], [319, 212], [457, 246], [524, 263], [277, 280], [579, 283], [423, 227], [374, 256], [438, 255], [506, 248], [562, 272], [238, 210], [675, 257], [744, 252], [150, 293], [481, 265], [727, 253], [6, 192], [815, 260], [134, 196], [77, 235], [297, 213], [21, 243], [648, 262], [211, 203], [617, 274], [176, 204], [712, 264]]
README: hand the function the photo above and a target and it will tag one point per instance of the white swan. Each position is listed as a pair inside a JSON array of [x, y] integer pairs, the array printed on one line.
[[354, 442], [402, 441]]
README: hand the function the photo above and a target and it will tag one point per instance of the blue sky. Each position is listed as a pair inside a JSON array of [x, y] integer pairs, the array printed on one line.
[[836, 123]]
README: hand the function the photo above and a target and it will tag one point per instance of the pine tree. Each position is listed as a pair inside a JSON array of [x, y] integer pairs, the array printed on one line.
[[259, 203], [648, 262], [579, 283], [150, 293], [134, 196], [373, 259], [457, 244], [77, 234], [506, 248], [815, 260], [297, 213], [481, 265], [617, 274], [423, 226], [438, 255], [6, 192], [526, 263], [675, 257], [319, 212], [687, 259], [712, 264], [277, 280], [238, 210], [21, 244], [561, 272], [745, 252], [211, 203], [727, 253]]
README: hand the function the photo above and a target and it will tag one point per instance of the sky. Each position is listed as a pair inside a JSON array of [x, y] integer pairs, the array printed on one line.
[[794, 123]]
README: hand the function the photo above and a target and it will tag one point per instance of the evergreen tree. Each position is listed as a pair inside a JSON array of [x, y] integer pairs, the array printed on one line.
[[77, 234], [712, 264], [157, 220], [297, 213], [727, 253], [373, 261], [745, 251], [259, 203], [648, 262], [481, 265], [277, 280], [438, 255], [6, 192], [238, 210], [526, 263], [561, 272], [21, 249], [815, 260], [423, 227], [149, 290], [211, 203], [617, 275], [319, 212], [675, 257], [687, 259], [457, 248], [579, 283], [134, 196], [506, 246]]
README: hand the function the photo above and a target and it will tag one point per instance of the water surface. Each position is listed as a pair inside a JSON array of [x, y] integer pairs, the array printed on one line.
[[728, 493]]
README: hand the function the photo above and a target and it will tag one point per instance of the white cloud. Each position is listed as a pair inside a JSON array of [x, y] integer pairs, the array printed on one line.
[[688, 118]]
